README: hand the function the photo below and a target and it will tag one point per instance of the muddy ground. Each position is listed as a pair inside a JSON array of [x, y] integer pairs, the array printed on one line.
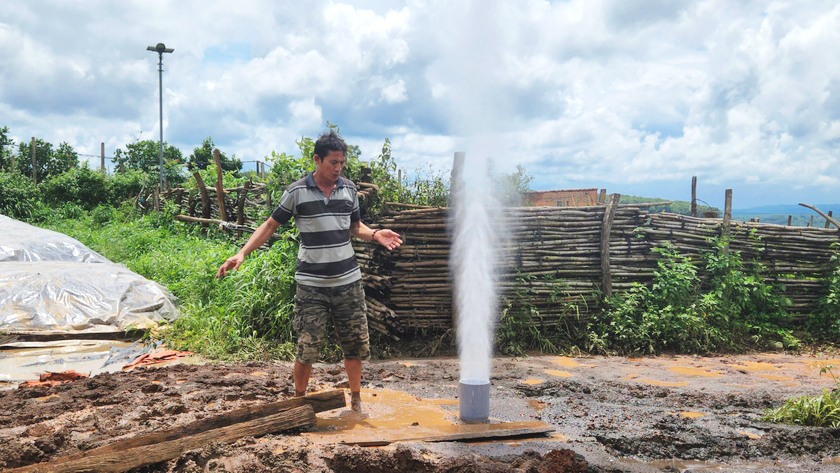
[[611, 415]]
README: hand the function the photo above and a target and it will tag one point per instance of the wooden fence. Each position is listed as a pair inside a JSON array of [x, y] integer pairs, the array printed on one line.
[[563, 260]]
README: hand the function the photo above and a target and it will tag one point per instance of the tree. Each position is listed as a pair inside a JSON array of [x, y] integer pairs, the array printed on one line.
[[203, 156], [145, 156], [511, 188], [7, 150], [49, 162]]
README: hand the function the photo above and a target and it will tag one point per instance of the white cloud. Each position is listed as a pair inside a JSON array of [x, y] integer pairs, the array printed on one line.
[[582, 92]]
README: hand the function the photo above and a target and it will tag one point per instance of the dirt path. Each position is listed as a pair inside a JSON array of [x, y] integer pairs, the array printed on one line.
[[614, 414]]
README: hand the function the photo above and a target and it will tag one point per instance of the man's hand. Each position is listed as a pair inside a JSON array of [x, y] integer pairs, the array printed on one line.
[[234, 262], [388, 238]]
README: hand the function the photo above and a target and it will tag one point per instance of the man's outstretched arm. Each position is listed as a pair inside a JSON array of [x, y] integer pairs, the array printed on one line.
[[258, 238], [385, 237]]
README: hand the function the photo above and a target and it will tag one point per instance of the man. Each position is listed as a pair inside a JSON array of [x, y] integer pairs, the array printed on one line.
[[326, 211]]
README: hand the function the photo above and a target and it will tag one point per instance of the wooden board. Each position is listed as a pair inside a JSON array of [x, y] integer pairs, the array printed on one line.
[[317, 402], [118, 461], [453, 433]]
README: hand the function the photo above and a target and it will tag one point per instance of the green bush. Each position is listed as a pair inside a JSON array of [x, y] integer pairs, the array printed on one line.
[[724, 307], [18, 196], [82, 186], [824, 324]]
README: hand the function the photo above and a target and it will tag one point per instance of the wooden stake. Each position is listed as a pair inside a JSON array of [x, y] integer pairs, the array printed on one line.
[[606, 229], [693, 196], [205, 199], [220, 190], [602, 197], [790, 220], [123, 460], [828, 220]]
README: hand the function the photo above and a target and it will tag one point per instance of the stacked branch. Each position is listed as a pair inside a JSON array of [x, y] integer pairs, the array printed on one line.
[[551, 261]]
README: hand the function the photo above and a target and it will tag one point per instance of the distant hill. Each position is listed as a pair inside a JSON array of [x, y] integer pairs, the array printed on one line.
[[778, 214], [676, 206]]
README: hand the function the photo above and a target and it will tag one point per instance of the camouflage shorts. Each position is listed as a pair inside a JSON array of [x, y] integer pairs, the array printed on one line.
[[313, 306]]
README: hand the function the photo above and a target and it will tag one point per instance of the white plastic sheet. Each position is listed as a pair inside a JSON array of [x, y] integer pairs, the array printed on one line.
[[20, 241], [50, 282]]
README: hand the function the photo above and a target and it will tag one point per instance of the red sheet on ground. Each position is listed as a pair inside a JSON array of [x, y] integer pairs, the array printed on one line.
[[157, 357], [53, 379]]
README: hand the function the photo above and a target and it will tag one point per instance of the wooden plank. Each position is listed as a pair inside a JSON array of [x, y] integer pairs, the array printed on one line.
[[205, 199], [693, 196], [220, 190], [467, 432], [121, 460], [606, 230]]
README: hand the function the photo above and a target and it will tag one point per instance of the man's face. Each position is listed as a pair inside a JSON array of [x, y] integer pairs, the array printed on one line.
[[332, 165]]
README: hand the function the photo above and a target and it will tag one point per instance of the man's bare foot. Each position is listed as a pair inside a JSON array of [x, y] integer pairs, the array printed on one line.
[[356, 402], [300, 393]]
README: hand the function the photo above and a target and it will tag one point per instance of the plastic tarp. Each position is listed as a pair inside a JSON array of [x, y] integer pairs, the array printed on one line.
[[56, 284], [20, 241]]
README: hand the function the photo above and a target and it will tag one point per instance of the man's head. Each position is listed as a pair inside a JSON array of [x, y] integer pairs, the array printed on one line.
[[330, 155]]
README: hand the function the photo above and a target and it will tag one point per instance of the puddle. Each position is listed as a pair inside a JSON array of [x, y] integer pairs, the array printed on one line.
[[565, 362], [408, 365], [751, 435], [392, 416], [531, 381], [831, 461], [751, 366], [536, 404], [691, 415], [689, 371], [774, 377], [562, 374]]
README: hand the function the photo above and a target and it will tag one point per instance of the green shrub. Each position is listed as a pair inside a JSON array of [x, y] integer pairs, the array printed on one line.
[[82, 186], [18, 195], [128, 184], [824, 324], [723, 307]]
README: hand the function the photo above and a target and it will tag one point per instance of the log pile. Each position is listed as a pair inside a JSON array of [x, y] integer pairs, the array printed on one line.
[[551, 260]]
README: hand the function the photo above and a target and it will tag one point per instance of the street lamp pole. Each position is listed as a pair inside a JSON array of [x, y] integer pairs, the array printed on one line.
[[160, 49]]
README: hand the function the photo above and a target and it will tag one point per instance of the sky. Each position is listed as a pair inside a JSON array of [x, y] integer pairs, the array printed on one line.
[[635, 96]]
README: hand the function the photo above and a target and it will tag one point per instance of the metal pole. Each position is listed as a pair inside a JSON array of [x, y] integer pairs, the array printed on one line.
[[160, 84]]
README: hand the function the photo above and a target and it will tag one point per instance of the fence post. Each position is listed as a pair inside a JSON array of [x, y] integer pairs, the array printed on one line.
[[34, 161], [103, 157], [727, 219], [205, 199], [602, 197], [790, 220], [606, 230], [693, 196], [811, 222], [220, 191], [827, 221]]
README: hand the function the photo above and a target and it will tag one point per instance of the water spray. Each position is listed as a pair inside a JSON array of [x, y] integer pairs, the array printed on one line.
[[473, 275]]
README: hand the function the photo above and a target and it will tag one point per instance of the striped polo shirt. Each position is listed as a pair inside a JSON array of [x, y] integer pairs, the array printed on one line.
[[326, 257]]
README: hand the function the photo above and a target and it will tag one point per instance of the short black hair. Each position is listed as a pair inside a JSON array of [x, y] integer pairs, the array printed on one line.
[[329, 141]]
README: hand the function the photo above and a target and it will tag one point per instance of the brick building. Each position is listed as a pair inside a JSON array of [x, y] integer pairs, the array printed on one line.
[[563, 198]]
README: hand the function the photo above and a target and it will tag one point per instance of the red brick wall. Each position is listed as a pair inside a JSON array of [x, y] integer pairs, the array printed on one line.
[[563, 198]]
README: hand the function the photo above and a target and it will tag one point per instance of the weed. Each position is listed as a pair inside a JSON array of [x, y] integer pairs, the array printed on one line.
[[819, 411]]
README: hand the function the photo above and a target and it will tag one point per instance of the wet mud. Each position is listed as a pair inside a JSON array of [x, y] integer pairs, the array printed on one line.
[[610, 414]]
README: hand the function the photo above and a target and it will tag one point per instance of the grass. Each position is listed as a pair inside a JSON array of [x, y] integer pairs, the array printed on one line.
[[246, 315], [818, 411]]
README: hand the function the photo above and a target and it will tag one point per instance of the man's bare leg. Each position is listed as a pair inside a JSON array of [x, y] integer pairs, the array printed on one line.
[[301, 374], [353, 366]]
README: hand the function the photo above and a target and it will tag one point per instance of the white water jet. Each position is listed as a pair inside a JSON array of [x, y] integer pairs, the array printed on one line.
[[472, 257]]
